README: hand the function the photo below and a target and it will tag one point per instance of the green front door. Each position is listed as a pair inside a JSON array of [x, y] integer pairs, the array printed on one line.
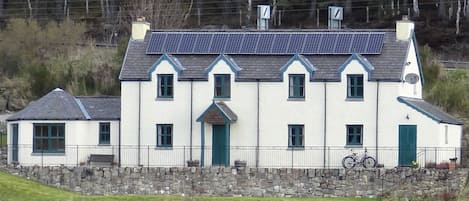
[[220, 144], [407, 144]]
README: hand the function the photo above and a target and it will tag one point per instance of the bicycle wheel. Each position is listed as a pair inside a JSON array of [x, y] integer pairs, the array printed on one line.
[[369, 162], [348, 162]]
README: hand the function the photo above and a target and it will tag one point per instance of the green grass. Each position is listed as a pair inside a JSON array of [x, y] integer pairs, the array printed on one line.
[[14, 188], [3, 140]]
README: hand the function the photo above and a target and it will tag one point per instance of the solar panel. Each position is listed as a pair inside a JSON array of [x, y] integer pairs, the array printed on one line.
[[202, 43], [172, 42], [296, 43], [327, 44], [187, 43], [344, 41], [234, 43], [250, 43], [266, 43]]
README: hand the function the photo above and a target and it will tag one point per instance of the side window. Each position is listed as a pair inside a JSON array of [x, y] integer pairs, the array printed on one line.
[[164, 135], [354, 134], [295, 136], [222, 88], [296, 85], [49, 138], [165, 86], [354, 86], [104, 133]]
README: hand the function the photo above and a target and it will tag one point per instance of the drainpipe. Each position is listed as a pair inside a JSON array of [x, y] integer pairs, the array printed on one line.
[[139, 119], [258, 130], [190, 142], [376, 116], [325, 124], [119, 143]]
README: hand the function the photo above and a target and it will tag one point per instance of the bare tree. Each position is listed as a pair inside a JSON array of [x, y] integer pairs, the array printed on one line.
[[161, 14], [442, 8], [458, 15], [348, 7], [313, 6], [416, 7]]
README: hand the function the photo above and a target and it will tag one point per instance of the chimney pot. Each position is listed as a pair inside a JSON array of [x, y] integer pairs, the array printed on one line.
[[139, 28]]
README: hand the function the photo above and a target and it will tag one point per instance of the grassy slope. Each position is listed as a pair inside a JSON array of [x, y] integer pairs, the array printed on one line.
[[16, 188]]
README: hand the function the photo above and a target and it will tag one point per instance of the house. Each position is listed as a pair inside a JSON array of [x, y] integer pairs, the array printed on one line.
[[279, 98], [59, 129]]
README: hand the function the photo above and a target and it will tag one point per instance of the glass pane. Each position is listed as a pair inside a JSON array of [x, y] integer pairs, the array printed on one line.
[[62, 131], [54, 145], [44, 131], [359, 80], [349, 139], [37, 131], [360, 91], [54, 131], [358, 139], [168, 140]]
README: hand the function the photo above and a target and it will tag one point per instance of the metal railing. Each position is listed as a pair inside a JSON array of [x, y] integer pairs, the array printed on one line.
[[268, 156]]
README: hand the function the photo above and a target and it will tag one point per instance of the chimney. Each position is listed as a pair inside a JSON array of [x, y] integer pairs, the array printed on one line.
[[404, 28], [263, 16], [140, 28]]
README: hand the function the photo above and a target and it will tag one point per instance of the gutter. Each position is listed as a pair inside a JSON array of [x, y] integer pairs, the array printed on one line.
[[191, 123], [258, 125], [377, 121], [139, 121]]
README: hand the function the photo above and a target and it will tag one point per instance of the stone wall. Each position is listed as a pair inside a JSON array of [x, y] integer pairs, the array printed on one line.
[[403, 182]]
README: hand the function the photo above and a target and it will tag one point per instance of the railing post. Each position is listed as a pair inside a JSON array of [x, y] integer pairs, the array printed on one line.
[[328, 157], [148, 156], [42, 158], [425, 156], [436, 156], [184, 156], [291, 157], [77, 157]]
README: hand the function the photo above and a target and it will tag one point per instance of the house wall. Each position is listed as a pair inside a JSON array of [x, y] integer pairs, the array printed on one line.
[[276, 112], [81, 140], [411, 66]]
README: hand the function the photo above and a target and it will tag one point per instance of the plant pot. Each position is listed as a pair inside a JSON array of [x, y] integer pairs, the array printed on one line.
[[193, 163]]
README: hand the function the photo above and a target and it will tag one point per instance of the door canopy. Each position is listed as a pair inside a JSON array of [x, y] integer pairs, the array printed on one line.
[[218, 113]]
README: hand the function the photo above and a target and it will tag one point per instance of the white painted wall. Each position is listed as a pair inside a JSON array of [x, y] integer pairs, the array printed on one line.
[[84, 134], [276, 112], [411, 66]]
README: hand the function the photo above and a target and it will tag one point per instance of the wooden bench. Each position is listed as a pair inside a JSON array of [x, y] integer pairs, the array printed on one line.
[[101, 159]]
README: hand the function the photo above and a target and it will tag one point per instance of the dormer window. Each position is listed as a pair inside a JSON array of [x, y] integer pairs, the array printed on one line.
[[296, 86], [222, 87], [354, 86], [165, 86]]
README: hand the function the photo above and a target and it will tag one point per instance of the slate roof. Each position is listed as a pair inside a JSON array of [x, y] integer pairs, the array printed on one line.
[[431, 111], [388, 65], [222, 109], [60, 105]]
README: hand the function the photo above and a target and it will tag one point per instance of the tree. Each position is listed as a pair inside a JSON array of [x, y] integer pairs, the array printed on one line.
[[416, 8]]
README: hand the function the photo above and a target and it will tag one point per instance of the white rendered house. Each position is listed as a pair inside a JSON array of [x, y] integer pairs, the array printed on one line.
[[59, 129], [290, 98], [279, 98]]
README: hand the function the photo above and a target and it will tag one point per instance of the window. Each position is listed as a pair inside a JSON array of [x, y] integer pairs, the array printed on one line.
[[104, 133], [165, 86], [164, 135], [295, 136], [354, 134], [296, 86], [49, 138], [222, 86], [354, 86]]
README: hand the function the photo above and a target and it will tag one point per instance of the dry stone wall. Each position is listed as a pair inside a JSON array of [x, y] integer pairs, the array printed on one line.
[[226, 181]]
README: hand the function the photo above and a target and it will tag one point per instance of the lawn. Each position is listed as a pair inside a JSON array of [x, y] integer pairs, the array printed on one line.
[[3, 140], [17, 188]]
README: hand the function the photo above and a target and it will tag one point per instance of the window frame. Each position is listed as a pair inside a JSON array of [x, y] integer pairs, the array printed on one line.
[[49, 138], [354, 89], [161, 138], [104, 132], [354, 128], [224, 85], [165, 86], [296, 89], [296, 136]]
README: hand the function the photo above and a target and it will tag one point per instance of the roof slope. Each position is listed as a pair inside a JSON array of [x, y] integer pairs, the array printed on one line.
[[60, 105], [388, 65], [430, 110]]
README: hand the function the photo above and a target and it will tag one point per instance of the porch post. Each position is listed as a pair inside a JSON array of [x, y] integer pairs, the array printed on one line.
[[202, 144], [227, 143]]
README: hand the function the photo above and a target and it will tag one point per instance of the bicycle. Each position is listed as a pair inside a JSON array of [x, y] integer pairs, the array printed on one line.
[[350, 161]]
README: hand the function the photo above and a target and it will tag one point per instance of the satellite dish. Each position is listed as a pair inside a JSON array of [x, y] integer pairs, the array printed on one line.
[[411, 78]]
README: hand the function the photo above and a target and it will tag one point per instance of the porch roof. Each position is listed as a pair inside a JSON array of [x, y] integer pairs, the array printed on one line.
[[218, 113]]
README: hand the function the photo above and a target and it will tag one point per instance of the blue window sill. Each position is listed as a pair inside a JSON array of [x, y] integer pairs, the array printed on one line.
[[164, 148], [296, 99], [222, 98], [353, 99], [48, 154], [104, 144], [354, 146], [298, 148], [164, 99]]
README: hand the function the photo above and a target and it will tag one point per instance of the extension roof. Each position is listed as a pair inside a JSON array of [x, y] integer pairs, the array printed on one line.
[[60, 105], [388, 59], [429, 110]]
